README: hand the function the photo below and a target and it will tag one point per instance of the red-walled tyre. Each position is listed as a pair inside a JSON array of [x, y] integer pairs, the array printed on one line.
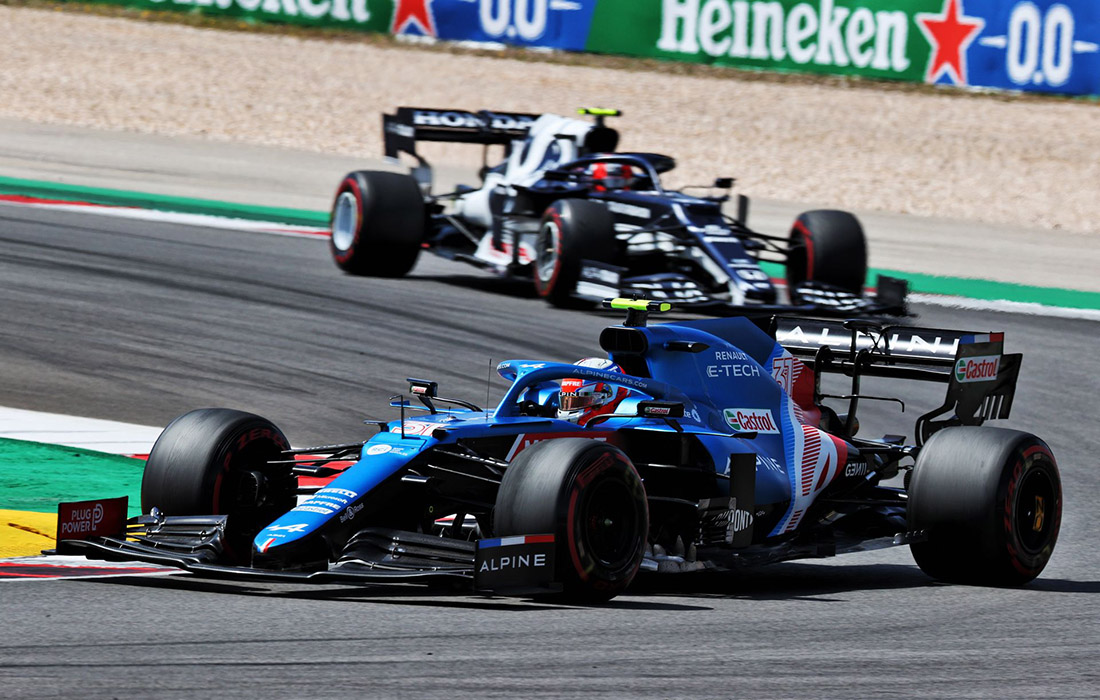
[[214, 461], [589, 496], [571, 230], [378, 223], [828, 247], [990, 502]]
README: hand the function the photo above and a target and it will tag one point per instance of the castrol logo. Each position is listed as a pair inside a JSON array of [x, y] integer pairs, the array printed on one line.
[[977, 369], [757, 420]]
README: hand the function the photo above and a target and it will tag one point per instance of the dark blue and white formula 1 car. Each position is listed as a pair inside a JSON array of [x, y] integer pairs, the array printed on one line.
[[694, 445], [584, 222]]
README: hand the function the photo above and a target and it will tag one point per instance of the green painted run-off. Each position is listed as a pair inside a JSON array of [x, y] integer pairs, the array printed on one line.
[[36, 477], [986, 290]]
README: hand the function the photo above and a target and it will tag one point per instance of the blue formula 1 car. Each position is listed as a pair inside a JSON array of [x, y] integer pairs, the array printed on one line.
[[695, 445], [583, 222]]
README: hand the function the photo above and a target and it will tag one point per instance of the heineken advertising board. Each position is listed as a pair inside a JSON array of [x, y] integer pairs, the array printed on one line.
[[1034, 45], [1045, 45]]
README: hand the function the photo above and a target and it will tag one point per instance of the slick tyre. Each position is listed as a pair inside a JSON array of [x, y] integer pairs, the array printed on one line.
[[214, 461], [990, 502], [378, 224], [828, 247], [571, 230], [589, 496]]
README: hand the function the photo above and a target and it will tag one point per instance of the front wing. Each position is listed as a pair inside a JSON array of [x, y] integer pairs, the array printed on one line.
[[599, 281], [195, 544]]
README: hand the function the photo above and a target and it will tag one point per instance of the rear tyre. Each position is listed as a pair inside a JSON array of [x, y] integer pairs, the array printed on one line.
[[213, 461], [828, 247], [589, 496], [378, 224], [990, 501], [571, 230]]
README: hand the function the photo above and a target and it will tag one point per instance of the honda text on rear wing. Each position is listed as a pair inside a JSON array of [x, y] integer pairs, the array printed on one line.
[[401, 131]]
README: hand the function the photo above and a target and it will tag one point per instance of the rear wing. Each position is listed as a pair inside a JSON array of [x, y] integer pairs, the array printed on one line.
[[981, 379], [402, 130]]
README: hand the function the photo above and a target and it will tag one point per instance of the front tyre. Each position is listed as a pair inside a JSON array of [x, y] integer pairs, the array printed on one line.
[[589, 496], [214, 461], [827, 247], [571, 230], [990, 502], [378, 224]]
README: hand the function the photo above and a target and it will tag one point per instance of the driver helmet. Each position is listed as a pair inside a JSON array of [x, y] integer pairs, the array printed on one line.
[[580, 400], [611, 176]]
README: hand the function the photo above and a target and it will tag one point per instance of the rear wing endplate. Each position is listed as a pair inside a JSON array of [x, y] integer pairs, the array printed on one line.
[[981, 379]]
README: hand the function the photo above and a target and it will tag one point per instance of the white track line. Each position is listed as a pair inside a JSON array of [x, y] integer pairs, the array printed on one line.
[[75, 431], [204, 220], [1015, 307]]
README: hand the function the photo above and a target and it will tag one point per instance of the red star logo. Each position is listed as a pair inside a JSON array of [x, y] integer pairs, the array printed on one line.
[[949, 33], [408, 11]]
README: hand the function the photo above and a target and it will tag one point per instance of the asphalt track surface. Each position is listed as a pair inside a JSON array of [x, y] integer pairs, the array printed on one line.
[[139, 322]]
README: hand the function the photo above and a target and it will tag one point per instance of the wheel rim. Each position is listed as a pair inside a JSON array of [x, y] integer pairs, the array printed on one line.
[[1034, 510], [345, 221], [546, 253], [610, 524]]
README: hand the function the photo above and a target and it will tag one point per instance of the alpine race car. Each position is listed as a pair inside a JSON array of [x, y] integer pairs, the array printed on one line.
[[717, 450], [584, 223]]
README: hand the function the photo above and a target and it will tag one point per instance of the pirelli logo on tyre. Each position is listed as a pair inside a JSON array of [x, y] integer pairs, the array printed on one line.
[[977, 369]]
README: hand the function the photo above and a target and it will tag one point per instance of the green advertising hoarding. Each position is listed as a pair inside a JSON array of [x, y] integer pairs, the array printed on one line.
[[852, 37], [368, 15], [1033, 45]]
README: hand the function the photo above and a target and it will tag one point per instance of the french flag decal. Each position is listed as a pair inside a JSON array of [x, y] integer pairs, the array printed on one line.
[[509, 541], [986, 338]]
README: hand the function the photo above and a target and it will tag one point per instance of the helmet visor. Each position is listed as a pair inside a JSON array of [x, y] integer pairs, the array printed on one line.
[[577, 401]]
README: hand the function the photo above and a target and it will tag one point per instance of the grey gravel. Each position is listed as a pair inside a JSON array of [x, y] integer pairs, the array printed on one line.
[[1023, 162]]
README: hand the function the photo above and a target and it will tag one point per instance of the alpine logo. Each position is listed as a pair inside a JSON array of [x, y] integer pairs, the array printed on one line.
[[977, 369], [296, 528], [756, 420]]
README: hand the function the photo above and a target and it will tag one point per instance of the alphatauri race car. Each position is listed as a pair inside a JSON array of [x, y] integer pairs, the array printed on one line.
[[584, 222], [702, 444]]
